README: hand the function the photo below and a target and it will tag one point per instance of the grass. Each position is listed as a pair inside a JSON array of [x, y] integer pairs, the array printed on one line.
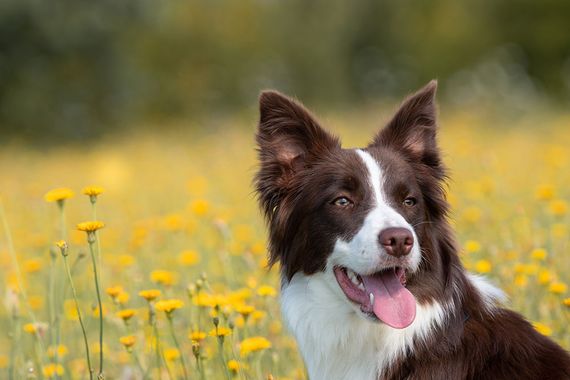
[[180, 218]]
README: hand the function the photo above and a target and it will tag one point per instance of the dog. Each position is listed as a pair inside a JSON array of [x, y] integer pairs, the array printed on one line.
[[372, 284]]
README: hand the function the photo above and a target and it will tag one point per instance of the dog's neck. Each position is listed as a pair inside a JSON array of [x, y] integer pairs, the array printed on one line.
[[337, 343]]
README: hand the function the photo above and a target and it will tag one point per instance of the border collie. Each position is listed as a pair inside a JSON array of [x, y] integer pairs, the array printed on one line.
[[372, 284]]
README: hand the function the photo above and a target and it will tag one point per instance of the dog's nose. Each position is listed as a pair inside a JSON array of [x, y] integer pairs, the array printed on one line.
[[397, 241]]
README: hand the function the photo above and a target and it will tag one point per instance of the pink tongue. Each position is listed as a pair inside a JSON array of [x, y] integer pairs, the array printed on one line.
[[393, 303]]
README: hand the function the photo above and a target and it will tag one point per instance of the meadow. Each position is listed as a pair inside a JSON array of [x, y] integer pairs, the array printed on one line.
[[180, 252]]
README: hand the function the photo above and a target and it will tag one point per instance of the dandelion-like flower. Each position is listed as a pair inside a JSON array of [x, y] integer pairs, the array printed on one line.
[[220, 331], [542, 328], [266, 291], [127, 341], [92, 190], [168, 306], [58, 195], [126, 314], [197, 336], [163, 277], [253, 344], [558, 288], [114, 291], [150, 294], [51, 370], [90, 226]]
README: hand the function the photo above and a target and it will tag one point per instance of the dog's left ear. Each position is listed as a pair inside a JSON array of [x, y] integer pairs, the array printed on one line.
[[412, 130]]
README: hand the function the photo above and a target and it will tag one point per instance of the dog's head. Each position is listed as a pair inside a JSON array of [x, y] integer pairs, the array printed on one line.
[[368, 218]]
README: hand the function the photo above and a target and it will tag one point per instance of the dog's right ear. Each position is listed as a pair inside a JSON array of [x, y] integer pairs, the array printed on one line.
[[288, 138]]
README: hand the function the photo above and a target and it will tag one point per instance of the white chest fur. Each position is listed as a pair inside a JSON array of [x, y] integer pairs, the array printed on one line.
[[335, 341]]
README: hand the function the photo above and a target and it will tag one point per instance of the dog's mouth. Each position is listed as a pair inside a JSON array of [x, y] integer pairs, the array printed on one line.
[[382, 295]]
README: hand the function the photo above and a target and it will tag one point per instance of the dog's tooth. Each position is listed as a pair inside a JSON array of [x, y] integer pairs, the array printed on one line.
[[371, 299], [361, 286]]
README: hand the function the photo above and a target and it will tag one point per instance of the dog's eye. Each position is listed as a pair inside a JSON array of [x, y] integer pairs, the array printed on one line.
[[342, 202], [410, 201]]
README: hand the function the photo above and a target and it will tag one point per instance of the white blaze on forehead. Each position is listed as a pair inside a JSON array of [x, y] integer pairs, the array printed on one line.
[[375, 175]]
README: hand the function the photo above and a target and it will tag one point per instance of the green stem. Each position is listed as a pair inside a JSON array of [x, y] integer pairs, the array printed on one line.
[[85, 340], [177, 344], [223, 357], [14, 259], [100, 305], [157, 346], [15, 342]]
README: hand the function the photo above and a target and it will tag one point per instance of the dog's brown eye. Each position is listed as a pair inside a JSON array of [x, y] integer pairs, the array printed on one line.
[[342, 202], [410, 201]]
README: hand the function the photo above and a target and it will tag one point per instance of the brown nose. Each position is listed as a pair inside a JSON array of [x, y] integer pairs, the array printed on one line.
[[397, 241]]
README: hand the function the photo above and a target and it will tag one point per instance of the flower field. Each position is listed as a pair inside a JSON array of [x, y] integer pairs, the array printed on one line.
[[148, 252]]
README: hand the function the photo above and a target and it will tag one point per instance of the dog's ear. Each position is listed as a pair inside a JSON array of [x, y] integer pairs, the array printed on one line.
[[288, 138], [412, 130]]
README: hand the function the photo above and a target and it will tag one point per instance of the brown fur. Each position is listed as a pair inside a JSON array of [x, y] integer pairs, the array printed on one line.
[[303, 168]]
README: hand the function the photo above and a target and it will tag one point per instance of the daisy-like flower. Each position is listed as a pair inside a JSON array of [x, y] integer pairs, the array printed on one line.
[[150, 294], [90, 226], [58, 195], [220, 331], [197, 336], [127, 341], [266, 291], [253, 344], [114, 291], [92, 190], [168, 306], [126, 314]]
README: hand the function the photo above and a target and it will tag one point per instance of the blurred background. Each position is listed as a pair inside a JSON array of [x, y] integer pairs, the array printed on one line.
[[71, 70], [156, 102]]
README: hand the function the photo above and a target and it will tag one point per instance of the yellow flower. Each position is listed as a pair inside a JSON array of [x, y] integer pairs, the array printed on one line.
[[472, 246], [197, 336], [538, 254], [558, 207], [168, 306], [149, 294], [189, 258], [542, 328], [171, 354], [122, 298], [200, 207], [3, 361], [52, 369], [61, 244], [234, 366], [266, 291], [35, 328], [90, 226], [61, 351], [126, 314], [521, 280], [220, 331], [114, 291], [93, 190], [558, 288], [163, 277], [245, 310], [125, 260], [127, 341], [483, 266], [253, 344], [58, 195], [32, 265], [544, 277], [566, 302], [545, 192]]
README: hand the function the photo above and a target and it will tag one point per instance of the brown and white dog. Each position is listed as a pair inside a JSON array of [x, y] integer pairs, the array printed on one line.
[[372, 285]]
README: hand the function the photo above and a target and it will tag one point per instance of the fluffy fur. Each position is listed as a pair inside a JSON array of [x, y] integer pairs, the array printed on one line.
[[326, 207]]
